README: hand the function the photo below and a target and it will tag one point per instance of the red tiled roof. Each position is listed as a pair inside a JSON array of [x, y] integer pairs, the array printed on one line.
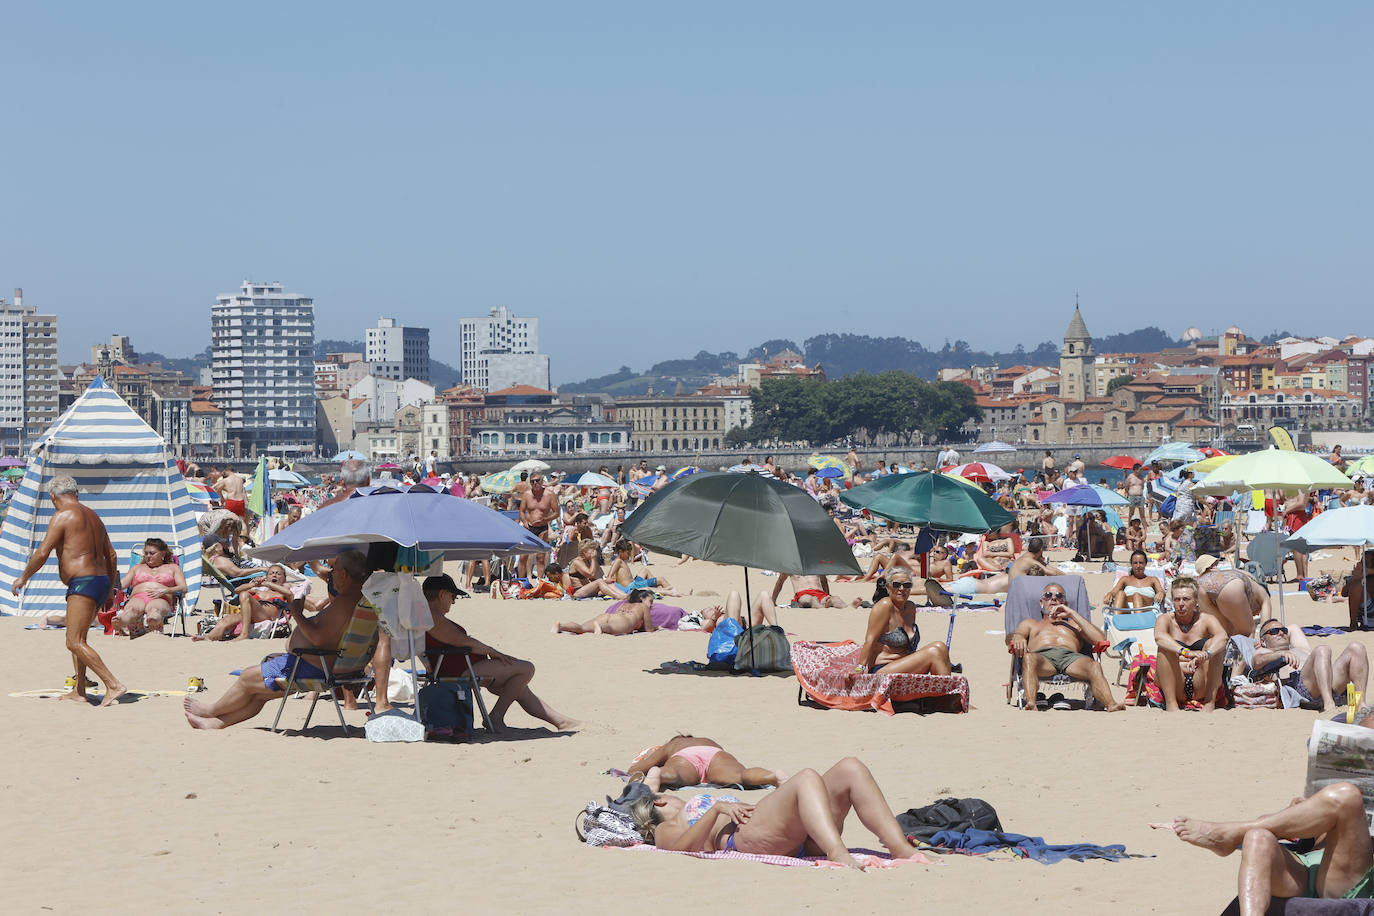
[[519, 389], [1153, 416]]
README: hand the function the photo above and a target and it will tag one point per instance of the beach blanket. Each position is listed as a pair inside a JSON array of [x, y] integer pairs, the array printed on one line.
[[1326, 631], [826, 673], [983, 842]]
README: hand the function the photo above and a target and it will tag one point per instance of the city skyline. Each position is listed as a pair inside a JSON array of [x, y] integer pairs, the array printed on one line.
[[691, 179]]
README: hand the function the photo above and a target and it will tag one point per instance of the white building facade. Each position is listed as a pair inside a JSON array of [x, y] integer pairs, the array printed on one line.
[[28, 373], [263, 366], [383, 397], [498, 332], [396, 352]]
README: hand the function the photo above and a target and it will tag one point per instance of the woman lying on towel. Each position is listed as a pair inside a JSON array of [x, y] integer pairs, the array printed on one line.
[[890, 644], [687, 761], [635, 614], [804, 816]]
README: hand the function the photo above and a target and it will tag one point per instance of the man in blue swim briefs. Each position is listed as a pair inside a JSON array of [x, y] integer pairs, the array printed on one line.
[[87, 564], [257, 685]]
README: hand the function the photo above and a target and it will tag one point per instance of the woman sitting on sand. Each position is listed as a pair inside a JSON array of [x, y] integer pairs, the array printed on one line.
[[585, 577], [1135, 590], [890, 644], [153, 588], [687, 761], [266, 596], [805, 815], [635, 614]]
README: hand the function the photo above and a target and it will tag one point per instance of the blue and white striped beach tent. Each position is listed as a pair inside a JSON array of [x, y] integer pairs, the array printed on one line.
[[125, 475]]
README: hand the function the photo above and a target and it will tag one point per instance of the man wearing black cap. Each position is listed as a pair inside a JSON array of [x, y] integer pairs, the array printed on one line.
[[505, 676]]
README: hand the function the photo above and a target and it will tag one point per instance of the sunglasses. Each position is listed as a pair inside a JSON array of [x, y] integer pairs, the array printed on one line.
[[1276, 631], [1053, 596], [899, 585]]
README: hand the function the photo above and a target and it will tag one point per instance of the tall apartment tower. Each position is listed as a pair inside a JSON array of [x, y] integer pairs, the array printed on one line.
[[1076, 361], [263, 366], [396, 352], [28, 372], [497, 332]]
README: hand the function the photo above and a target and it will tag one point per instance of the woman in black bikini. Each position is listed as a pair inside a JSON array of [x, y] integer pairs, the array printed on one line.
[[892, 639]]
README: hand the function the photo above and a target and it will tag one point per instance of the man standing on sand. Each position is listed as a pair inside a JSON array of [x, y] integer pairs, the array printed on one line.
[[538, 508], [1135, 494], [231, 490], [87, 564]]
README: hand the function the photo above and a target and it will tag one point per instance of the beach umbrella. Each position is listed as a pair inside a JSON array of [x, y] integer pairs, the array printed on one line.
[[13, 462], [1087, 495], [831, 473], [529, 464], [389, 466], [501, 481], [821, 462], [12, 473], [1208, 464], [1364, 467], [349, 455], [981, 471], [200, 492], [591, 479], [931, 501], [1120, 462], [1213, 452], [417, 517], [749, 520], [995, 446], [744, 468], [1181, 452], [1273, 469], [1346, 527], [685, 472], [286, 480]]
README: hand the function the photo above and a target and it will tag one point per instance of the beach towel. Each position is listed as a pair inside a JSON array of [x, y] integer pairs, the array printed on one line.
[[868, 857], [982, 842], [826, 673], [1326, 631]]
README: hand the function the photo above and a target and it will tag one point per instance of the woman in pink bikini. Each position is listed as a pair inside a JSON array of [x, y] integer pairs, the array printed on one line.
[[153, 586], [688, 761]]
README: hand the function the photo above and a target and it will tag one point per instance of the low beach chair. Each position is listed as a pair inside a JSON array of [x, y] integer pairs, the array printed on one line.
[[348, 667], [1265, 558], [1023, 603], [825, 677], [434, 658], [1129, 634]]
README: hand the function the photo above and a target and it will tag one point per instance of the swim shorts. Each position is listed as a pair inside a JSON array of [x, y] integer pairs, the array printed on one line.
[[96, 588], [641, 582], [1060, 658], [1137, 499], [279, 666], [237, 506], [814, 593], [1363, 889]]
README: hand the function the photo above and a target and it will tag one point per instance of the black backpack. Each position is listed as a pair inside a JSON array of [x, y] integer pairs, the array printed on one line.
[[958, 814]]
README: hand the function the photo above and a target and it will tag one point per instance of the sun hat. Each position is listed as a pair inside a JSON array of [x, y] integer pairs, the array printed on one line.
[[1204, 563]]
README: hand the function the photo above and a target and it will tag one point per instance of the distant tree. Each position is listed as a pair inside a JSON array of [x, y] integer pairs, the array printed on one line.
[[770, 348], [737, 436], [789, 408], [1118, 382]]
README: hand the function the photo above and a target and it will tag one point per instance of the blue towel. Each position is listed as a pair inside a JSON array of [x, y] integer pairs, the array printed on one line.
[[982, 842], [1325, 631]]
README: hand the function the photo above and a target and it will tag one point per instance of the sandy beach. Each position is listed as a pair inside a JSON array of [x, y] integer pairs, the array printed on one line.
[[128, 810]]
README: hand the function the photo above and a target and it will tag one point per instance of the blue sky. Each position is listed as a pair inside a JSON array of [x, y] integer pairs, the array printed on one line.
[[653, 181]]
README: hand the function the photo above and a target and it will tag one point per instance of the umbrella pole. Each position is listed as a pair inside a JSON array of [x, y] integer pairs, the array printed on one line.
[[749, 625]]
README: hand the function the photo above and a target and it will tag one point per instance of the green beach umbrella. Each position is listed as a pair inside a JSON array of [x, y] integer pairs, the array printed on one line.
[[12, 473], [501, 481], [930, 501], [1273, 469]]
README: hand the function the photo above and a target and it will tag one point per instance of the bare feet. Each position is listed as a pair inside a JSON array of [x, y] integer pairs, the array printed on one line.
[[567, 725], [199, 721], [198, 638], [856, 602], [1221, 839], [76, 694], [112, 694], [1117, 708], [780, 777], [848, 861], [381, 705], [653, 778], [596, 628]]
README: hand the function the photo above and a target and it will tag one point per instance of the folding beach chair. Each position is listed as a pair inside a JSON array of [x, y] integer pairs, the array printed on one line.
[[433, 660], [1129, 633], [1266, 558], [178, 607], [1023, 603], [347, 668]]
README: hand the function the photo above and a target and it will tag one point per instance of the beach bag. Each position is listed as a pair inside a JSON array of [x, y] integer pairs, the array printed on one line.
[[1166, 508], [1321, 587], [1142, 681], [393, 725], [1257, 695], [957, 814], [721, 647], [771, 650], [447, 706]]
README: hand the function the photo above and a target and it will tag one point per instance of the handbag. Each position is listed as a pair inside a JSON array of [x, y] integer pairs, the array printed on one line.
[[768, 651]]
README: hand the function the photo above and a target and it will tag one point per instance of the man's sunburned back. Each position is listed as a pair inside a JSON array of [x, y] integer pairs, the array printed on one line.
[[231, 485], [1027, 565], [81, 551]]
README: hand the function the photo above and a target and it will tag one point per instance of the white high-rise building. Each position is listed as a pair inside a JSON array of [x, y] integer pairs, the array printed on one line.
[[497, 332], [28, 372], [396, 352], [263, 366]]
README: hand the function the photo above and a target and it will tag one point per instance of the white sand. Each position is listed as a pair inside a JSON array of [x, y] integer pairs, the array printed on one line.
[[128, 810]]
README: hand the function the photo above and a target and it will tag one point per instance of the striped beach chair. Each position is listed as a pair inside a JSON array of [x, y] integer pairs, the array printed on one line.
[[347, 668]]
